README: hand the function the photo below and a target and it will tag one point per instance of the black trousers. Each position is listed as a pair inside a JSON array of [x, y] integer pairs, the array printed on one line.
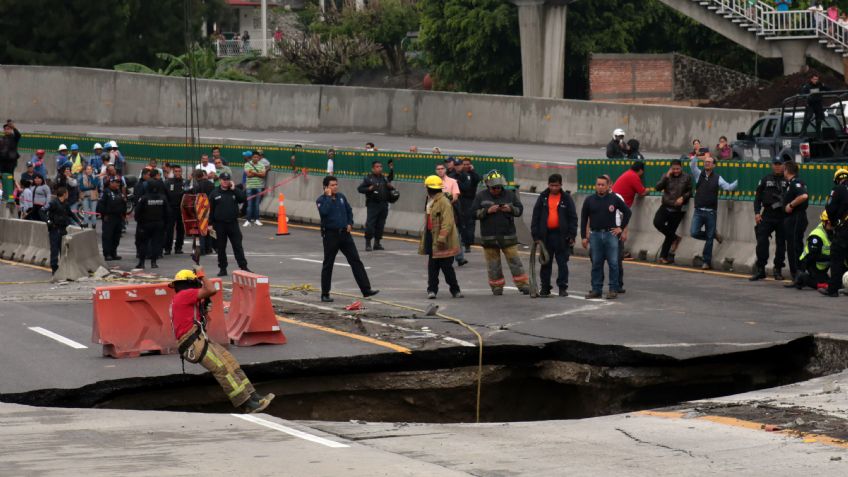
[[445, 265], [336, 241], [763, 231], [225, 231], [813, 110], [111, 235], [667, 221], [56, 235], [148, 240], [810, 276], [467, 218], [174, 221], [558, 250], [794, 229], [838, 254], [376, 220]]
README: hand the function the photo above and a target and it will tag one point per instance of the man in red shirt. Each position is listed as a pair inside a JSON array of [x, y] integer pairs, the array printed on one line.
[[188, 318], [629, 184]]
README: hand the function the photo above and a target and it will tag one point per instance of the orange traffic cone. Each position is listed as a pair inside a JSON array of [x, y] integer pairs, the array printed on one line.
[[282, 220]]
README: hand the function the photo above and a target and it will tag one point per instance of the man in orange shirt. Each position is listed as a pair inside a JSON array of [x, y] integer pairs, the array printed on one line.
[[554, 224]]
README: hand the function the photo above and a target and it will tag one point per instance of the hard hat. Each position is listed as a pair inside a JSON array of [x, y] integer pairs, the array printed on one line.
[[433, 182], [185, 275], [39, 152], [114, 144], [840, 175], [617, 132], [494, 179], [97, 145], [63, 147], [74, 147], [823, 216], [247, 154]]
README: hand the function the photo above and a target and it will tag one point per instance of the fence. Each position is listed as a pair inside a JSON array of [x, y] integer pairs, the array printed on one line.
[[818, 177], [347, 163]]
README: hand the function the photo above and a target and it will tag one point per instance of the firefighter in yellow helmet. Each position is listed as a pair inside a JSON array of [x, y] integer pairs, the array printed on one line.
[[837, 212], [439, 239], [188, 318], [497, 208]]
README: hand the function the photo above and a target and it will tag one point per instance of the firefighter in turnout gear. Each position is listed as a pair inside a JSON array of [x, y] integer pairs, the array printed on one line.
[[497, 208], [188, 319]]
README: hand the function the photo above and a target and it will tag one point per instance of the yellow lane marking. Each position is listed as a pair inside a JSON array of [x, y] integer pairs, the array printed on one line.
[[366, 339], [19, 264], [754, 426]]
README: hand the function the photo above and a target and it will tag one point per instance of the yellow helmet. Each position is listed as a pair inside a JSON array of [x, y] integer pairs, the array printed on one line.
[[433, 182], [185, 275], [824, 217], [840, 175], [494, 179]]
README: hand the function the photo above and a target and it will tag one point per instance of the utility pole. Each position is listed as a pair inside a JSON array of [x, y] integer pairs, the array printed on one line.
[[264, 27]]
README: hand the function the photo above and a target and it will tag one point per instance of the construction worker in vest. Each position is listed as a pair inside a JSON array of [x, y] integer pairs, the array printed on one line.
[[497, 208], [815, 260], [78, 162], [188, 319]]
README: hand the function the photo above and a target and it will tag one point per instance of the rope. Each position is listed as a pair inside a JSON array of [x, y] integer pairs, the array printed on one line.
[[544, 259]]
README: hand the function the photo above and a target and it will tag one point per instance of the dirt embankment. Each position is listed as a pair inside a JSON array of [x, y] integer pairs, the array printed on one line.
[[772, 94]]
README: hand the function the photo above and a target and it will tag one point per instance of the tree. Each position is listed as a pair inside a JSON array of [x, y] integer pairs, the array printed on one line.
[[325, 60], [202, 61], [96, 34], [472, 45]]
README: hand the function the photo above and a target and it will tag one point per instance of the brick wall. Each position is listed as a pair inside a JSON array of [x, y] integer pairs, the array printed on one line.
[[662, 77], [645, 77]]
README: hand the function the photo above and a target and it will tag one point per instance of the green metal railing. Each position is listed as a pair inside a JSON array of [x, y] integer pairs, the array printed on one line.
[[348, 162], [818, 177]]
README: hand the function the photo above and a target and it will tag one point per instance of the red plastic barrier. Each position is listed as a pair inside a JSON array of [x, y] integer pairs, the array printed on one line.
[[133, 319], [251, 319]]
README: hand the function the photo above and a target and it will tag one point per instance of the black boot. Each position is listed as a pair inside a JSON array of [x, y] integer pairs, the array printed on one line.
[[222, 272], [257, 403], [377, 245], [140, 264], [759, 274], [778, 275], [368, 245], [153, 264]]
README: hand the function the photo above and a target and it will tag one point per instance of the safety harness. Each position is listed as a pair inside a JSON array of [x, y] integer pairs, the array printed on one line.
[[186, 349]]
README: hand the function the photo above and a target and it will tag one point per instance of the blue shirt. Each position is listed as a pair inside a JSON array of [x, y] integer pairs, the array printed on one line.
[[696, 174], [335, 213]]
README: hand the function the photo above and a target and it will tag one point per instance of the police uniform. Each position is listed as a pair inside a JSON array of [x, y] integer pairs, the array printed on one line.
[[795, 223], [837, 211], [112, 207], [377, 206], [224, 210], [174, 189], [150, 215], [768, 201], [58, 216]]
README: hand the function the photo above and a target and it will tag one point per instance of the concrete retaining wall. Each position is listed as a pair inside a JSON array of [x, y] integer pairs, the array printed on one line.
[[57, 94], [27, 241]]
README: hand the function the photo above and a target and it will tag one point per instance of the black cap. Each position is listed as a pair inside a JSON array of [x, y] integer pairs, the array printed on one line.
[[777, 160], [224, 176]]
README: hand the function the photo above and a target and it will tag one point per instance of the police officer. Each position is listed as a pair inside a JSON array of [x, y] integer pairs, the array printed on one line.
[[768, 216], [816, 257], [112, 208], [151, 212], [795, 223], [814, 109], [376, 187], [225, 202], [837, 212], [58, 216], [175, 188], [336, 224]]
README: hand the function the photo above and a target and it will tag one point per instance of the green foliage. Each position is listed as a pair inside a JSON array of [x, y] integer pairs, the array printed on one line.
[[135, 68], [95, 33], [472, 45]]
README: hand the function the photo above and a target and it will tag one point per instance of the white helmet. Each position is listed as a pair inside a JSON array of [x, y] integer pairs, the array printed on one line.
[[63, 147], [97, 145], [113, 144], [617, 132]]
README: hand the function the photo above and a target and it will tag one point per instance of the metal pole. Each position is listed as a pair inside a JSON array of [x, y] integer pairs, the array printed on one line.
[[264, 27]]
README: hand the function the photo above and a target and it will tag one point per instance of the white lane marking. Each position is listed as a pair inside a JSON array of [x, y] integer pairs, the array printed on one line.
[[692, 345], [579, 309], [288, 430], [58, 337], [321, 262], [426, 334]]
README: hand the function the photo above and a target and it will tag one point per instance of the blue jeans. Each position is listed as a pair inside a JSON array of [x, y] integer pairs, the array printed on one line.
[[704, 218], [603, 246], [253, 204], [89, 207]]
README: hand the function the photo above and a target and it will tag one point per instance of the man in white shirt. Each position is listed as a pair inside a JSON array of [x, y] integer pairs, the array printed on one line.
[[205, 165]]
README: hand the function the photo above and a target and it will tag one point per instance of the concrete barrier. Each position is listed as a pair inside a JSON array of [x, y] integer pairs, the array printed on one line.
[[735, 223], [24, 241], [62, 94], [80, 255]]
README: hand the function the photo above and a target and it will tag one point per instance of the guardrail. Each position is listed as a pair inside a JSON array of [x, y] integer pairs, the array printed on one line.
[[409, 167], [818, 177]]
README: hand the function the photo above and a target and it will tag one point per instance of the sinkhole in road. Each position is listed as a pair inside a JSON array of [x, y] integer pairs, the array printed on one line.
[[566, 380]]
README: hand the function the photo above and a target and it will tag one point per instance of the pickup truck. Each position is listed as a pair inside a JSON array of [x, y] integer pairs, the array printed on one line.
[[778, 134]]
